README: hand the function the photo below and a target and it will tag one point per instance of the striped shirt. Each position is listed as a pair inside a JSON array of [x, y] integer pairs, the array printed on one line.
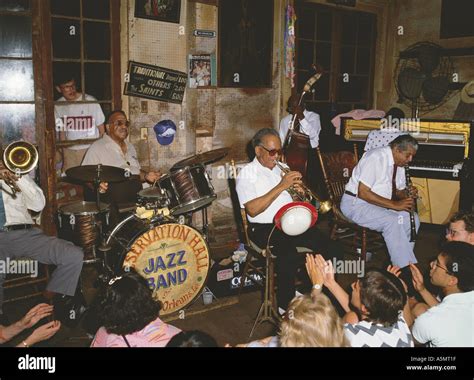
[[368, 334]]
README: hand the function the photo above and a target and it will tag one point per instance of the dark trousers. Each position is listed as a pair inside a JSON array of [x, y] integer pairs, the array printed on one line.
[[284, 248]]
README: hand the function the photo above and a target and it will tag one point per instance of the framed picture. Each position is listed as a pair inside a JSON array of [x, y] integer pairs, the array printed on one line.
[[159, 10]]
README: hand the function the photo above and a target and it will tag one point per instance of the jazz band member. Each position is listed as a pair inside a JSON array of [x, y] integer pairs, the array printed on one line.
[[262, 191], [20, 238], [376, 197], [113, 149]]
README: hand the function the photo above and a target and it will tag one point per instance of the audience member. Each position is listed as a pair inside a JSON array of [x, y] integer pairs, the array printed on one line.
[[447, 323], [379, 299], [30, 319], [129, 315], [461, 228]]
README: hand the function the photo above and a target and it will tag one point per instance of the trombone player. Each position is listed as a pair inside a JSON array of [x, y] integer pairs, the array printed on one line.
[[20, 196], [262, 189]]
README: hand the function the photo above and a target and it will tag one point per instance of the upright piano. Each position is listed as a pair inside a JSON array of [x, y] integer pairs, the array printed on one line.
[[442, 169]]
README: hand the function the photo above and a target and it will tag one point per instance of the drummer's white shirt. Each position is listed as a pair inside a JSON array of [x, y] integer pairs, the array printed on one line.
[[255, 180], [106, 151], [31, 198]]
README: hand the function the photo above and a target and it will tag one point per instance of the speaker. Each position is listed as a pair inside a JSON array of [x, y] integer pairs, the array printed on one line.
[[347, 3]]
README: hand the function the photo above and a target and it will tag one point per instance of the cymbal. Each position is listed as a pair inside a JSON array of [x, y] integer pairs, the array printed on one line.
[[89, 173], [202, 158]]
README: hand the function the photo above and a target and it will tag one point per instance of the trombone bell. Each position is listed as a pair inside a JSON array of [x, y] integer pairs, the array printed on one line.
[[20, 157]]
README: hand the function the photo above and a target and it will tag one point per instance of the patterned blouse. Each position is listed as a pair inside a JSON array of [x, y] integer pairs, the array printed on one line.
[[155, 334]]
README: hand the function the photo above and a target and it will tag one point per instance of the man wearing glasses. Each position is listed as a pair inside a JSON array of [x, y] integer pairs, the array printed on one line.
[[447, 323], [113, 149], [262, 190], [461, 228], [78, 117]]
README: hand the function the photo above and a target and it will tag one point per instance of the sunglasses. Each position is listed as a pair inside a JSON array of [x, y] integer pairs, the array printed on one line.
[[272, 152], [121, 123]]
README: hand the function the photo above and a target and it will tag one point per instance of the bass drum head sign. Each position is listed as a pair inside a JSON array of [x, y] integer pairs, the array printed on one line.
[[174, 259]]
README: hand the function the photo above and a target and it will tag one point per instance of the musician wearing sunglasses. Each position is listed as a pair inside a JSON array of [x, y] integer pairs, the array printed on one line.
[[262, 190], [113, 149]]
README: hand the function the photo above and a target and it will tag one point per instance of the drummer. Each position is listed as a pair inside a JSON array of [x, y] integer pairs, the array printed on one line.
[[113, 149]]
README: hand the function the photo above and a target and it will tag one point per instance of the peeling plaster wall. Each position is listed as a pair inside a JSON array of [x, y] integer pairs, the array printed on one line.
[[161, 44], [213, 117]]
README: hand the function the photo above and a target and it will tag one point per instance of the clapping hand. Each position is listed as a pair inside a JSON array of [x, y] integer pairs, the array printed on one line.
[[43, 332], [418, 282], [319, 271], [396, 271], [37, 313]]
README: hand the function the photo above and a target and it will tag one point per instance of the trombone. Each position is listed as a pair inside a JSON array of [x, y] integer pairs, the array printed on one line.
[[19, 157], [324, 206]]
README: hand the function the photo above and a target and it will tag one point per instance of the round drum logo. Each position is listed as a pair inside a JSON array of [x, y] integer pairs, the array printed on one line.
[[174, 259]]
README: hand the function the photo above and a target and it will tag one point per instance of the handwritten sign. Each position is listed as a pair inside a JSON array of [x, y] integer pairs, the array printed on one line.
[[154, 82]]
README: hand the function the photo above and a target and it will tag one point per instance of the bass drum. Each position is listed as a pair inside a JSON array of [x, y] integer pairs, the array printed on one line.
[[173, 258]]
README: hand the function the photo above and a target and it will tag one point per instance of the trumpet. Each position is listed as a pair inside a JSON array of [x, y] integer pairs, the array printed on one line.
[[324, 205], [19, 157]]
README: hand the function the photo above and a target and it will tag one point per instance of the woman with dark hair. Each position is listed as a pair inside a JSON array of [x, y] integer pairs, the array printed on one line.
[[129, 316]]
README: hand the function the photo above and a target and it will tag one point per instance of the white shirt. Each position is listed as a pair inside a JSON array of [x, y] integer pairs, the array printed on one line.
[[31, 198], [79, 120], [107, 152], [375, 170], [310, 125], [448, 324], [255, 180]]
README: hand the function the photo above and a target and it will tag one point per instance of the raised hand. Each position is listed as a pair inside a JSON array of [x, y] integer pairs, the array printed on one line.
[[397, 271], [314, 271], [418, 282], [327, 269]]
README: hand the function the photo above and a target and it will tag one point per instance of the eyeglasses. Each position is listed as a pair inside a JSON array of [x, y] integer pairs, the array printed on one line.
[[272, 152], [436, 264], [121, 123]]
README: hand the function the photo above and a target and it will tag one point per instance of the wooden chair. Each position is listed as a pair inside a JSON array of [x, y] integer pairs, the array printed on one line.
[[337, 170], [18, 287]]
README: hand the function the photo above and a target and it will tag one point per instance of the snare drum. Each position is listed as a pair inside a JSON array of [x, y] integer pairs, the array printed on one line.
[[173, 258], [81, 223], [188, 189]]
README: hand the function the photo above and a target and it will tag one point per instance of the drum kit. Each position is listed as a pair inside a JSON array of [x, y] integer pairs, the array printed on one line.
[[157, 239]]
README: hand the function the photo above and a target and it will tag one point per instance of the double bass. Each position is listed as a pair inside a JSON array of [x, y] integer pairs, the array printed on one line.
[[296, 145]]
